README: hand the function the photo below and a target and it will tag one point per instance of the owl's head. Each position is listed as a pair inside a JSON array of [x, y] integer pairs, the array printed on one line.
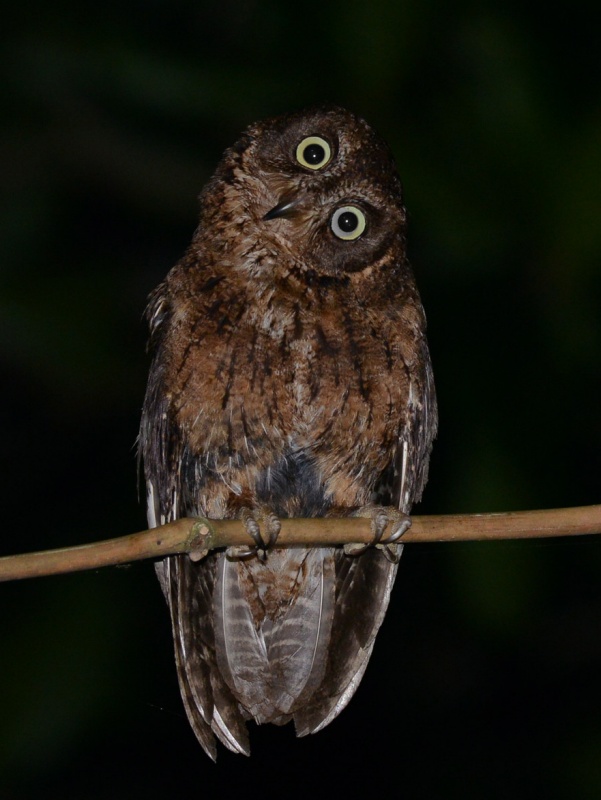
[[318, 187]]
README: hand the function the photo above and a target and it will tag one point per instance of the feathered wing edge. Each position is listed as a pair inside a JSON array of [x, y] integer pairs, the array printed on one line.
[[364, 584], [363, 587], [187, 586], [210, 706]]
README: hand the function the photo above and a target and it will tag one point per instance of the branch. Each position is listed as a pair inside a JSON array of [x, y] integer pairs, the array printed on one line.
[[197, 536]]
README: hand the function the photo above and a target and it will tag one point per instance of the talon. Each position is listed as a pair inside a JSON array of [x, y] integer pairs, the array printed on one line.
[[355, 548], [252, 528], [402, 527], [378, 525], [392, 552], [381, 517], [274, 527], [240, 552], [259, 549]]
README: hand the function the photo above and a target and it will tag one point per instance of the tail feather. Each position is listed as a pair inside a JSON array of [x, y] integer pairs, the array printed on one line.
[[273, 624], [300, 637]]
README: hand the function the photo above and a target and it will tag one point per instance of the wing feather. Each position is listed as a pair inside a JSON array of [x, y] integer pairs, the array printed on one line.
[[364, 584]]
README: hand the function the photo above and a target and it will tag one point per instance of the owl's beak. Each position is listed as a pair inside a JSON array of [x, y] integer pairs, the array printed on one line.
[[285, 208]]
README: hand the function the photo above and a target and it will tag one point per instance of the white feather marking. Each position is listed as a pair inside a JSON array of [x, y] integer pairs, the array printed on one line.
[[348, 692], [403, 498], [321, 599], [151, 505], [354, 682], [220, 724]]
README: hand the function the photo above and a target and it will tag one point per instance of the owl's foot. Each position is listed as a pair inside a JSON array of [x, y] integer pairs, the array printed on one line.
[[252, 519], [381, 517]]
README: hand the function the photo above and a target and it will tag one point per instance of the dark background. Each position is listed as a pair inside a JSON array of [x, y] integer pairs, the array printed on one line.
[[485, 681]]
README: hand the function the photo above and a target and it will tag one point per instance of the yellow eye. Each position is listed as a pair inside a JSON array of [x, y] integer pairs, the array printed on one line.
[[348, 223], [313, 152]]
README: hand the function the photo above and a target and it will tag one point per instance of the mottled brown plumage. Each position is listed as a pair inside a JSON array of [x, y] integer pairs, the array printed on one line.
[[290, 375]]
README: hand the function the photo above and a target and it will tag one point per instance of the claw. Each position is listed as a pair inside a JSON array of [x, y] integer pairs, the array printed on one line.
[[240, 552], [398, 530], [250, 519], [273, 527], [381, 517], [392, 552]]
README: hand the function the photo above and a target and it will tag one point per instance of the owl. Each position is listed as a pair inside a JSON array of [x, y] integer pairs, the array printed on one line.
[[290, 378]]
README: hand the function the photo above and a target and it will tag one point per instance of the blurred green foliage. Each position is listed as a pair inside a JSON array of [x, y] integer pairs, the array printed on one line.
[[485, 680]]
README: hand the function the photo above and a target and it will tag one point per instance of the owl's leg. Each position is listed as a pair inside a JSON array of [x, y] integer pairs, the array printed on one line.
[[381, 517], [252, 519]]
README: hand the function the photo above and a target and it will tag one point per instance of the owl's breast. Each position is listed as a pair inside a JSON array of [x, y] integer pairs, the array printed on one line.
[[349, 393], [314, 398]]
